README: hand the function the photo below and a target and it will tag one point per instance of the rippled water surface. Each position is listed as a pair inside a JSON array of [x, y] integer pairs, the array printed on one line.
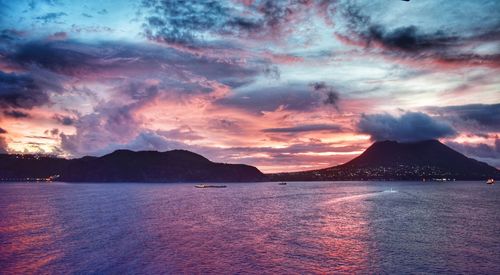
[[303, 227]]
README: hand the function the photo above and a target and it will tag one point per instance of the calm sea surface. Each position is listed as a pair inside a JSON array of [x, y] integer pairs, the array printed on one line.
[[261, 228]]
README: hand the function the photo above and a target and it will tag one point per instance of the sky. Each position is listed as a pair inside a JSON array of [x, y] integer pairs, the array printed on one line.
[[281, 85]]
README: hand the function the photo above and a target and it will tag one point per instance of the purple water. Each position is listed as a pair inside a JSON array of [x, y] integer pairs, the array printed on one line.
[[260, 228]]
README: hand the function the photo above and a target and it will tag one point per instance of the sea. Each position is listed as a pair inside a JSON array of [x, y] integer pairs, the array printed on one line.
[[250, 228]]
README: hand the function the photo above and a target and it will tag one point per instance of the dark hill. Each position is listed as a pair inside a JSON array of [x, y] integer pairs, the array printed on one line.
[[129, 166], [391, 160]]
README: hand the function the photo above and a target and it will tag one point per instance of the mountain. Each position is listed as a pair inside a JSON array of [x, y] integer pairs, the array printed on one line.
[[384, 160], [391, 160], [127, 166]]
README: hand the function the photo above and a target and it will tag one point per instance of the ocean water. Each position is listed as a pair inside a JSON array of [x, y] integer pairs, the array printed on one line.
[[254, 228]]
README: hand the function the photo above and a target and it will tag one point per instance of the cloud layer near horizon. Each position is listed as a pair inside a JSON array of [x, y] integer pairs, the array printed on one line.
[[283, 85]]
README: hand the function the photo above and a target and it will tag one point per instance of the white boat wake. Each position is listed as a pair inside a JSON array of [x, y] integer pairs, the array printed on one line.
[[361, 196]]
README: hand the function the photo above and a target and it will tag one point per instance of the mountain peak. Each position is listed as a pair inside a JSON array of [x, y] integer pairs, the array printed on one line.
[[395, 160]]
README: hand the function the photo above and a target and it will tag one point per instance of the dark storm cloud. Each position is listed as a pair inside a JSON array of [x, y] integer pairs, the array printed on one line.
[[484, 117], [411, 126], [21, 91], [51, 17], [16, 114], [2, 131], [305, 128]]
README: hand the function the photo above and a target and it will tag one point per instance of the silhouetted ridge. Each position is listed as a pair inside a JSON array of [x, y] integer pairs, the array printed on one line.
[[129, 166], [429, 152], [391, 160]]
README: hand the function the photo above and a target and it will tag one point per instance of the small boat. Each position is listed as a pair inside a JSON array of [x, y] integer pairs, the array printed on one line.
[[282, 183], [490, 181], [209, 186]]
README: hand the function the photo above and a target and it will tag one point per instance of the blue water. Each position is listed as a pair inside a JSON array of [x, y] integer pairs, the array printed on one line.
[[259, 228]]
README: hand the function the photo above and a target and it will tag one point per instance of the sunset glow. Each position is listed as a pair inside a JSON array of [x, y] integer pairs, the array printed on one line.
[[281, 85]]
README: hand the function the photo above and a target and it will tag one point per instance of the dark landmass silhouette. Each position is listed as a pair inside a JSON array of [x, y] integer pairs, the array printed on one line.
[[384, 160], [391, 160], [127, 166]]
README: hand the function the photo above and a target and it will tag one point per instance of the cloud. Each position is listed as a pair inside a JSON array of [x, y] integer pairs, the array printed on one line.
[[482, 117], [112, 60], [329, 94], [64, 120], [480, 151], [53, 132], [192, 22], [293, 97], [411, 126], [21, 91], [3, 131], [51, 17], [58, 36], [182, 133], [109, 124], [8, 35], [272, 72], [185, 22], [305, 128], [408, 38], [67, 58], [147, 140], [16, 114], [298, 156], [34, 4], [443, 47]]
